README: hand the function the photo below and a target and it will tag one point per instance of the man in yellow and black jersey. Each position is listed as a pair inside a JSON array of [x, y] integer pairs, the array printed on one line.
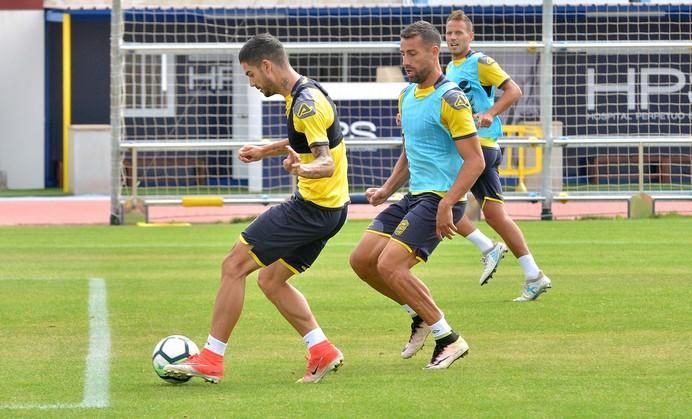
[[313, 124], [479, 76], [441, 159], [286, 239]]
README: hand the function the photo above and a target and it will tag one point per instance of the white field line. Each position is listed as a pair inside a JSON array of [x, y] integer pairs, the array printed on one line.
[[98, 361], [97, 371], [40, 406], [43, 278]]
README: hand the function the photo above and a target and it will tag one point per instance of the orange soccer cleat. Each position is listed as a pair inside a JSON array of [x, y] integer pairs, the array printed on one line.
[[324, 358], [207, 365]]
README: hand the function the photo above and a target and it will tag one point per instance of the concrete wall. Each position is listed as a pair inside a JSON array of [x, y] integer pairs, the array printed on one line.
[[22, 114], [90, 159]]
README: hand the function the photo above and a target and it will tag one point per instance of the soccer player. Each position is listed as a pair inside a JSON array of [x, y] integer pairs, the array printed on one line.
[[478, 76], [286, 239], [441, 159]]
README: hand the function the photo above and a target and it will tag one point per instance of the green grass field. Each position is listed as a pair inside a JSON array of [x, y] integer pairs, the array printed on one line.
[[21, 193], [611, 339]]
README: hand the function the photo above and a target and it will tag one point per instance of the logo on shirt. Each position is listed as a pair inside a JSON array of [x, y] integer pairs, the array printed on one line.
[[457, 100], [305, 110], [486, 60], [403, 225]]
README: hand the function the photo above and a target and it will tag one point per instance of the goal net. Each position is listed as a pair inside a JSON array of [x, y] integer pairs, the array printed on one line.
[[622, 92], [618, 98], [186, 105]]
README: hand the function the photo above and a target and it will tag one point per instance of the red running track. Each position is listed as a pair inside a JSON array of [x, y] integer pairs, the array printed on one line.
[[96, 210]]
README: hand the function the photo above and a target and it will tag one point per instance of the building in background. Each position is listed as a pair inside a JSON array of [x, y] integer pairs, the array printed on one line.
[[22, 106]]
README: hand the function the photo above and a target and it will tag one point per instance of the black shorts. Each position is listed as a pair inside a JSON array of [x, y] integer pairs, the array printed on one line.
[[412, 221], [294, 232], [488, 185]]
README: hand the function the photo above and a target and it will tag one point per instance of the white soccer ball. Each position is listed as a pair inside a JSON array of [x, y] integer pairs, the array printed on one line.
[[172, 350]]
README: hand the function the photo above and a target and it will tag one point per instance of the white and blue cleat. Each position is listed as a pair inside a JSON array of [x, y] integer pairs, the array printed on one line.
[[491, 260], [534, 288]]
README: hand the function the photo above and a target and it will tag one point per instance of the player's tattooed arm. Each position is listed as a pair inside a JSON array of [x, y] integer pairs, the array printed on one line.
[[322, 166]]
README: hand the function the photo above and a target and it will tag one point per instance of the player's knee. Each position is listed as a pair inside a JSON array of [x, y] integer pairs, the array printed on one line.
[[360, 263], [356, 263], [490, 218], [232, 268], [387, 269], [495, 215], [267, 286], [226, 266], [497, 221]]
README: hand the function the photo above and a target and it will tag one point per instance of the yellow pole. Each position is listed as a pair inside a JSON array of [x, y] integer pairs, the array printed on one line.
[[66, 98], [521, 186]]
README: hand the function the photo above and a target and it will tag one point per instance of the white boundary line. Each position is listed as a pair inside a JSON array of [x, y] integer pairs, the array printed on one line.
[[97, 371], [97, 375], [37, 279]]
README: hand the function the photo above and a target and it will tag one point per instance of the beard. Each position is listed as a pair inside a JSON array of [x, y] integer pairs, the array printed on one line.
[[268, 91], [267, 87], [419, 76]]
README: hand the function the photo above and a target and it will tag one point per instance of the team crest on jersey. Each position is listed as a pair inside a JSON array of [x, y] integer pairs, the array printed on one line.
[[403, 225], [305, 110], [486, 60], [457, 99]]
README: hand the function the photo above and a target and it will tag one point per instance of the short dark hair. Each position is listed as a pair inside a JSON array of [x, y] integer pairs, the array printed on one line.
[[425, 30], [263, 47], [460, 15]]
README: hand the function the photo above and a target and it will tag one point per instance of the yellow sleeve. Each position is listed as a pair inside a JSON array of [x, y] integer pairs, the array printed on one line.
[[313, 118], [490, 73], [456, 114]]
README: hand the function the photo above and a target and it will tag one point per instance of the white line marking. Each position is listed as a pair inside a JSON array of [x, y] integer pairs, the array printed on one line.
[[97, 375], [39, 406], [45, 278], [97, 371]]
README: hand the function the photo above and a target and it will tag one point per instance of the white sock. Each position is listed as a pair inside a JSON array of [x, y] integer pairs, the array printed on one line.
[[314, 337], [440, 329], [482, 242], [215, 345], [411, 312], [531, 270]]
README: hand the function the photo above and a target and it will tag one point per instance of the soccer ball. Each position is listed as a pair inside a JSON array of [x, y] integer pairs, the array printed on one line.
[[172, 350]]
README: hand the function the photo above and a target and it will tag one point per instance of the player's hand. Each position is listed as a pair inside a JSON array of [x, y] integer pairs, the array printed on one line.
[[483, 120], [375, 196], [292, 161], [250, 153], [397, 118], [445, 227]]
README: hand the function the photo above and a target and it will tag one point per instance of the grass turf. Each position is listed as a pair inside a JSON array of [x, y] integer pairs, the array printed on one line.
[[47, 192], [611, 339]]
